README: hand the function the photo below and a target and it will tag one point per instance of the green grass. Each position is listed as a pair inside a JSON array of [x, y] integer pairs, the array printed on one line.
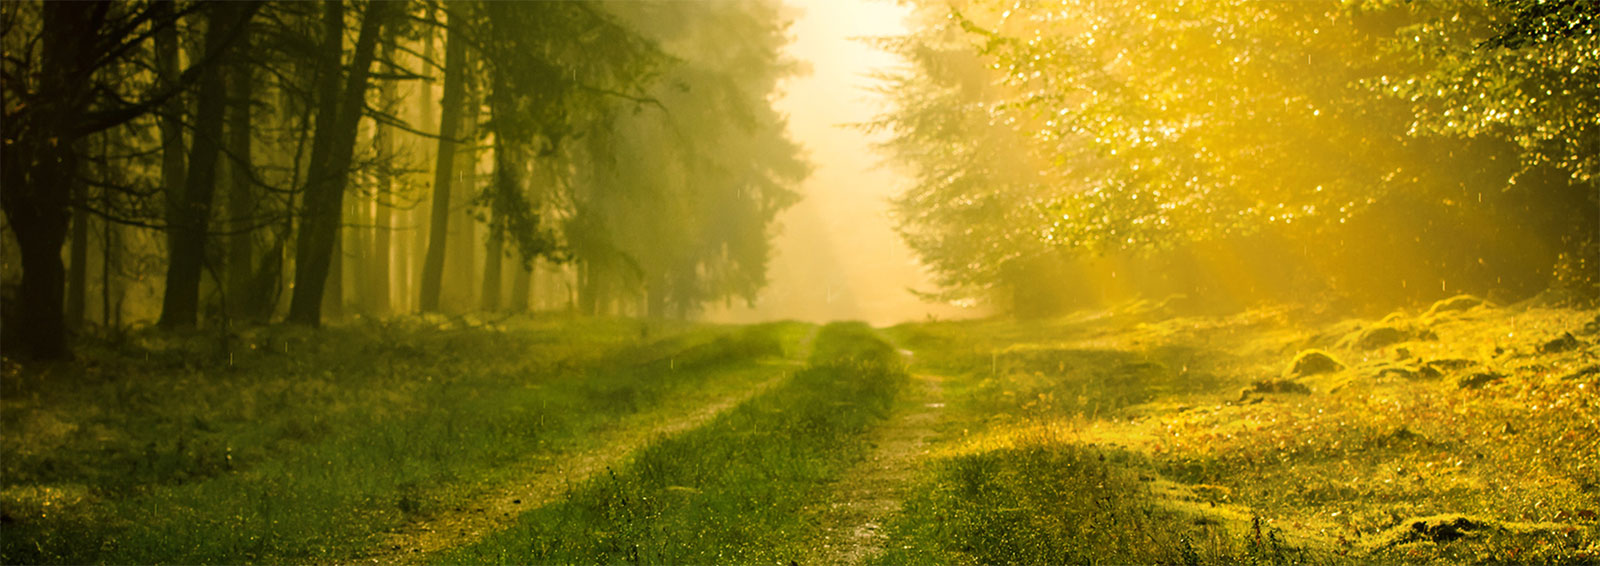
[[311, 442], [1118, 439], [1099, 438], [733, 491], [1065, 504]]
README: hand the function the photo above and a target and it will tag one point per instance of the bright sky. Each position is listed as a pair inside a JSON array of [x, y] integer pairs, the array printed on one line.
[[838, 257]]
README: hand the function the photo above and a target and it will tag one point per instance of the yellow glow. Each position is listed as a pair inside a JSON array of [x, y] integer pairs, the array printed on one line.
[[837, 255]]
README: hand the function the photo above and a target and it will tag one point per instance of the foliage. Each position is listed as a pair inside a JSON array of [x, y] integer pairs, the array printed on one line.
[[974, 209], [1520, 70], [1090, 127], [288, 125], [676, 200], [552, 69]]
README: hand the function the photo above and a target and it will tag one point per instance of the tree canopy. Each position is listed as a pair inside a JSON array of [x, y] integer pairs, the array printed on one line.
[[1052, 131]]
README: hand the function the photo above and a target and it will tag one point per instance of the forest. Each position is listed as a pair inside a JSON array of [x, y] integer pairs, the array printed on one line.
[[1366, 154], [489, 281], [221, 163]]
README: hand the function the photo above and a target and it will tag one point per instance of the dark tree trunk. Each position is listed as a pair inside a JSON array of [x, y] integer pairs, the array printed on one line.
[[330, 168], [242, 303], [180, 306], [333, 294], [37, 172], [171, 115], [444, 166], [78, 280], [110, 263]]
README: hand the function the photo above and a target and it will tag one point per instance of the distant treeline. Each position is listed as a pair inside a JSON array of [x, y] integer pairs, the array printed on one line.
[[1373, 153], [213, 162]]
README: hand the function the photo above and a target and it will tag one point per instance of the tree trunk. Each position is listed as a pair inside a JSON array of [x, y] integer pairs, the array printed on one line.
[[444, 167], [78, 281], [171, 115], [349, 267], [110, 293], [504, 181], [242, 302], [180, 304], [330, 167], [461, 286], [36, 174], [378, 274], [521, 287], [333, 294], [414, 241], [491, 272], [382, 246]]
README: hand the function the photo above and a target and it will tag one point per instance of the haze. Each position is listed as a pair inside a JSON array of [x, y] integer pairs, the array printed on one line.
[[837, 255], [800, 282]]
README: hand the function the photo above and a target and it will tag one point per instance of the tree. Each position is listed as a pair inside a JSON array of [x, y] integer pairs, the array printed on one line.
[[338, 119], [53, 101], [977, 201], [242, 298], [676, 207], [190, 220], [455, 61], [1157, 130]]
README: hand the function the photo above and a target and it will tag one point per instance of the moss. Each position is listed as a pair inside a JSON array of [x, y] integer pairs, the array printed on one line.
[[1313, 362], [1380, 336], [1455, 304]]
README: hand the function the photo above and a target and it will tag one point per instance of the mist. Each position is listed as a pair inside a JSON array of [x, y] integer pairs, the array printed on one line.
[[799, 282], [837, 256]]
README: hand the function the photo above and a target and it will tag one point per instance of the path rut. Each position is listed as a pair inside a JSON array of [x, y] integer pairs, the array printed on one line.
[[548, 478], [871, 491]]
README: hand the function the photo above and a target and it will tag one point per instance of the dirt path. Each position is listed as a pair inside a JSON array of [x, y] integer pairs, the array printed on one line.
[[871, 491], [546, 479]]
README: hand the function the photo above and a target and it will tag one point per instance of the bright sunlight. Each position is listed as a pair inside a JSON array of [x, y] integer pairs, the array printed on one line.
[[876, 282]]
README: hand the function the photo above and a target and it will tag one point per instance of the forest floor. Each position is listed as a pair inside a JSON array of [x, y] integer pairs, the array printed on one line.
[[1460, 433]]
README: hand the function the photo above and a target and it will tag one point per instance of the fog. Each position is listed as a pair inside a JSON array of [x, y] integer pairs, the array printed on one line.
[[719, 282], [761, 160], [837, 254]]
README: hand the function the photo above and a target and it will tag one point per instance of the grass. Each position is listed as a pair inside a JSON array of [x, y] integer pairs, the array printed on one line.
[[733, 491], [1066, 504], [1118, 438], [1464, 436], [304, 445]]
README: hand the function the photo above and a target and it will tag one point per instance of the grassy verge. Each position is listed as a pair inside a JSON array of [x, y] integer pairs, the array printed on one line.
[[302, 445], [1466, 436], [730, 492], [1066, 504]]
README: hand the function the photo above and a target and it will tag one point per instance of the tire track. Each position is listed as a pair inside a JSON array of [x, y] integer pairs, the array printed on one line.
[[872, 490], [550, 477]]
